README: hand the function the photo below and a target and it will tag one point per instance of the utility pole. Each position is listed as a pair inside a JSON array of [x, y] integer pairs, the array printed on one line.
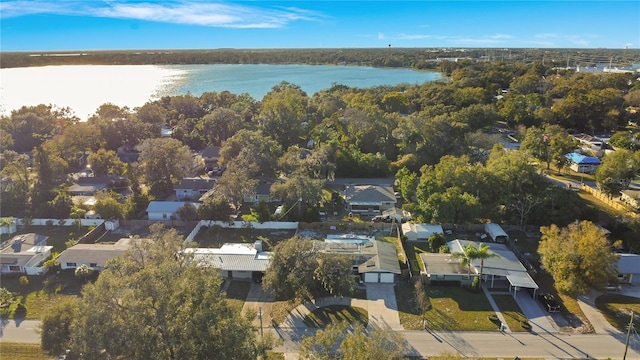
[[260, 317], [626, 344]]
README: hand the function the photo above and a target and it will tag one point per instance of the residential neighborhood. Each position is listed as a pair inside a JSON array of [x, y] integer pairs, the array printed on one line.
[[452, 221]]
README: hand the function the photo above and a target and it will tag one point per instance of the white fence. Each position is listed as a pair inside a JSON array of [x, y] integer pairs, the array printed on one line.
[[241, 225], [60, 222]]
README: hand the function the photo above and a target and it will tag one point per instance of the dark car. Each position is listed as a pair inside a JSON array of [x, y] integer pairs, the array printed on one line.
[[549, 302]]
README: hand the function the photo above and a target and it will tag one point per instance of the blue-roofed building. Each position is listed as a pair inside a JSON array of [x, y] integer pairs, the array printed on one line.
[[583, 164]]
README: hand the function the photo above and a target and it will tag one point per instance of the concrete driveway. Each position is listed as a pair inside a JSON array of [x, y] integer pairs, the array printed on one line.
[[382, 306]]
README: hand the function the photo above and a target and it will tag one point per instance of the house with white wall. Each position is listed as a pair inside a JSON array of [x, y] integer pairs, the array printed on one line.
[[24, 255], [94, 256], [375, 261]]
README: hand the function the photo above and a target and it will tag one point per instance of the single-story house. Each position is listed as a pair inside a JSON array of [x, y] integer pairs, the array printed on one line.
[[631, 198], [629, 268], [504, 267], [237, 260], [582, 164], [94, 256], [374, 261], [589, 142], [193, 188], [166, 210], [420, 232], [210, 156], [91, 185], [262, 192], [369, 199], [25, 254]]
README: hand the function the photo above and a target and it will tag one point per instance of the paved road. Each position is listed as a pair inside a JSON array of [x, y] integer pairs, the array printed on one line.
[[20, 330]]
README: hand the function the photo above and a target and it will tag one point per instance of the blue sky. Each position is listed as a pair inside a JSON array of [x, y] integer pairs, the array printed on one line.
[[200, 24]]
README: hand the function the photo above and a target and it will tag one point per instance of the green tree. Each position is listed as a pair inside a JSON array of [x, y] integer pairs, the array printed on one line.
[[313, 271], [215, 209], [579, 257], [14, 194], [138, 308], [108, 205], [105, 162], [263, 212], [6, 296], [436, 241], [188, 212], [616, 171], [282, 113], [56, 326], [549, 144], [164, 161], [353, 342]]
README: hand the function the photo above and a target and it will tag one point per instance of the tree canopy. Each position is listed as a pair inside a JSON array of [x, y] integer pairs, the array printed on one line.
[[579, 257], [152, 302]]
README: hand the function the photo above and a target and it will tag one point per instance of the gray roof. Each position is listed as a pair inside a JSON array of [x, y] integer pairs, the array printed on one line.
[[211, 152], [201, 184], [385, 261], [629, 264], [443, 264], [368, 194], [94, 253]]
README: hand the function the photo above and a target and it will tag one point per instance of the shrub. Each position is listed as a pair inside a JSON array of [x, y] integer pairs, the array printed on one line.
[[24, 280]]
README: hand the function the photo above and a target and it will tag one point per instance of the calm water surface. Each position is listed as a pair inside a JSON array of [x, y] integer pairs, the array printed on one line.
[[84, 88]]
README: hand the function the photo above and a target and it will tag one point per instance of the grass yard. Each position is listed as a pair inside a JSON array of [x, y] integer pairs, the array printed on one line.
[[40, 293], [324, 316], [413, 250], [453, 309], [237, 293], [58, 235], [616, 309], [22, 351], [511, 312], [217, 236]]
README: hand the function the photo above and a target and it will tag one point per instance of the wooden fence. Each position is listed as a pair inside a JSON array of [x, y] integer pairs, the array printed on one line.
[[608, 200]]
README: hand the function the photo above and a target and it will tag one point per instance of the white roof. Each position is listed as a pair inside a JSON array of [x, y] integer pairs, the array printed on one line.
[[232, 257], [420, 231], [506, 264]]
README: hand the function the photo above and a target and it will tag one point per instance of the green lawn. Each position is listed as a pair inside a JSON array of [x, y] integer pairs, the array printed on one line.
[[324, 316], [40, 293], [511, 312], [617, 308], [22, 351], [413, 251], [453, 309]]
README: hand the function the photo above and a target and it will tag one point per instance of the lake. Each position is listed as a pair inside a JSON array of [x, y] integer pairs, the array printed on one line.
[[83, 88]]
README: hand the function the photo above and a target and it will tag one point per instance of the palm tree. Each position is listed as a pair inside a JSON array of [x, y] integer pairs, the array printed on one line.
[[83, 271], [466, 256], [471, 252], [482, 252]]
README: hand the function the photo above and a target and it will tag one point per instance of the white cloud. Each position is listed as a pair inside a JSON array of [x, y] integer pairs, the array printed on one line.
[[215, 14]]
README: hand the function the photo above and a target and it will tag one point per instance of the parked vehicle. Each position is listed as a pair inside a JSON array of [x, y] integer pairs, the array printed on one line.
[[613, 287], [549, 302]]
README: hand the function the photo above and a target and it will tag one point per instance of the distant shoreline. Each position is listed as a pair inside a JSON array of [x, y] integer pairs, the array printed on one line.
[[429, 59]]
